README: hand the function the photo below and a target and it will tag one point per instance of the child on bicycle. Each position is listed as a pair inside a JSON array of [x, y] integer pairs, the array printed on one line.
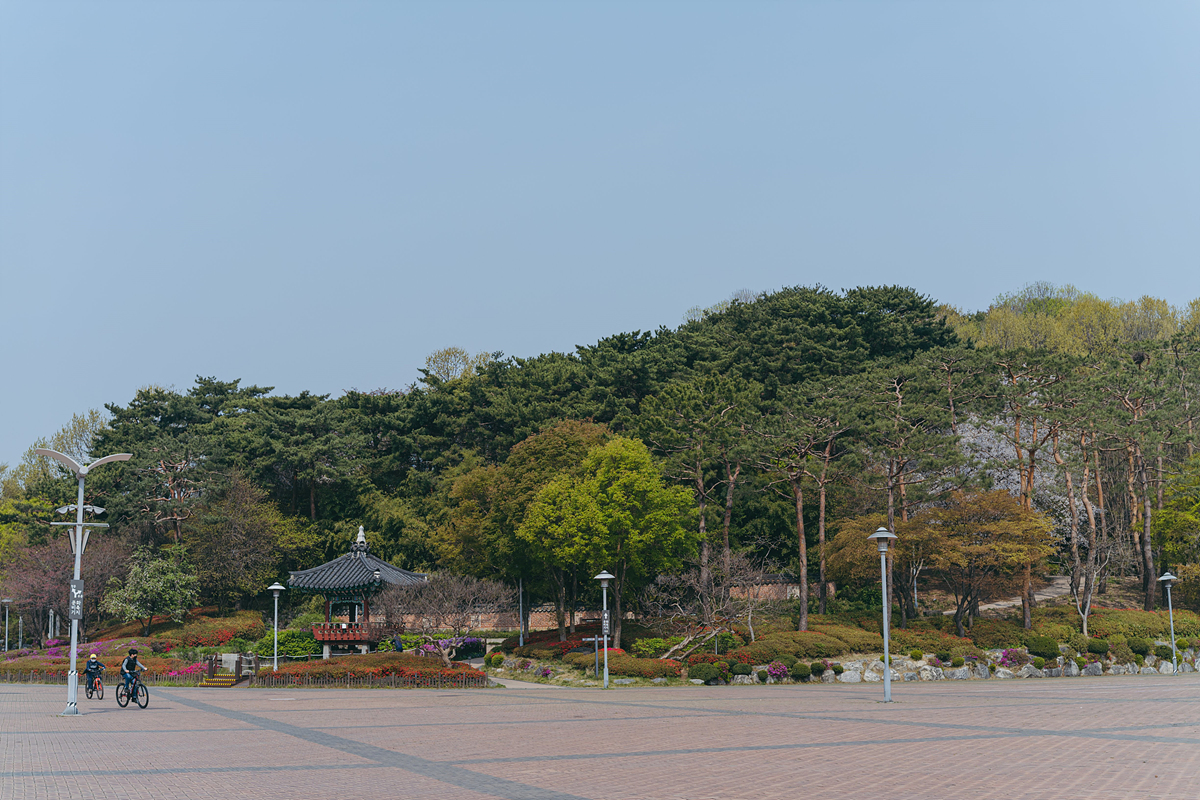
[[92, 670], [130, 666]]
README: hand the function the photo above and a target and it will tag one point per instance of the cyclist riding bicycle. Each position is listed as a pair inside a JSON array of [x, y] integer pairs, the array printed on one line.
[[129, 667], [92, 670]]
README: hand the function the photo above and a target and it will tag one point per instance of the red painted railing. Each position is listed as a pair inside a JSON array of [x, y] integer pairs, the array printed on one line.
[[354, 631]]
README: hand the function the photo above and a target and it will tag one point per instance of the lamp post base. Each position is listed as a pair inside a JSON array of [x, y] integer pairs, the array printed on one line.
[[72, 710]]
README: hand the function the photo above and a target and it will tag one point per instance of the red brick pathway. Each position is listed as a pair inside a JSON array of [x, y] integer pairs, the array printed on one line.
[[1100, 738]]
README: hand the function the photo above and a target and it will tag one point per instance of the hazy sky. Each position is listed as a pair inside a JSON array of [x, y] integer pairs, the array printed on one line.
[[317, 195]]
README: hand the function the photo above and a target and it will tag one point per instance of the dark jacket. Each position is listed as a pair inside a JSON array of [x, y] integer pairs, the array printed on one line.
[[93, 667]]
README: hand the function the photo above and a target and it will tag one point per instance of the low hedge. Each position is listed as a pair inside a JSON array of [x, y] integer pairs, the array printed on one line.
[[703, 671], [858, 640], [634, 667], [997, 634], [373, 665], [215, 631]]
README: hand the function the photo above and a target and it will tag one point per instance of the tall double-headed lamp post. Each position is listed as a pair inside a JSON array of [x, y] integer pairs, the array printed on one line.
[[881, 537], [604, 577], [1166, 580], [276, 589], [78, 540]]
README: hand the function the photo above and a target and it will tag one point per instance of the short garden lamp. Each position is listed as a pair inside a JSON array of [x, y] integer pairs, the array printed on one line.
[[881, 537], [1166, 580], [604, 577], [6, 601], [276, 589]]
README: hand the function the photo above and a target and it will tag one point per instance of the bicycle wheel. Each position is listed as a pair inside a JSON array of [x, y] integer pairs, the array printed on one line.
[[87, 690], [122, 696], [143, 695], [99, 689]]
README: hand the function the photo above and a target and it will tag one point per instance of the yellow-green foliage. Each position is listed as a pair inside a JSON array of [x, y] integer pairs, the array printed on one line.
[[858, 640], [1142, 624], [932, 642], [992, 634]]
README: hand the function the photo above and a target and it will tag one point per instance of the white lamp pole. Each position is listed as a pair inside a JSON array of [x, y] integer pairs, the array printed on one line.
[[6, 601], [78, 542], [604, 577], [881, 537], [276, 588], [1167, 579]]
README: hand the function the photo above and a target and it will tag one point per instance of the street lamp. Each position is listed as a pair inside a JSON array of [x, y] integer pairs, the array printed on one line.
[[78, 543], [1166, 580], [6, 601], [276, 588], [881, 537], [604, 578]]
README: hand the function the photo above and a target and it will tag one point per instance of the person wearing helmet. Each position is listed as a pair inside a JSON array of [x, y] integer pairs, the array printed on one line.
[[129, 666], [92, 670]]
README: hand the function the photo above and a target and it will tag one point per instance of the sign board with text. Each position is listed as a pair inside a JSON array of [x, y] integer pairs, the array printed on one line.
[[604, 623], [75, 604]]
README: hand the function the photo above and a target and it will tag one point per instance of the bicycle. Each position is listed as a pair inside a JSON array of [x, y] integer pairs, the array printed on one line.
[[136, 691], [95, 687]]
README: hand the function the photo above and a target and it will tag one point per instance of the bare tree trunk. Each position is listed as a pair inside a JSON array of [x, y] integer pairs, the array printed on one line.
[[560, 602], [798, 495], [574, 596], [1084, 604], [1147, 542], [1074, 516], [731, 475], [824, 590], [705, 571]]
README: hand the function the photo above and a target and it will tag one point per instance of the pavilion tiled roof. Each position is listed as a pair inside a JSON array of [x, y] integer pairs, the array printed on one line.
[[353, 572]]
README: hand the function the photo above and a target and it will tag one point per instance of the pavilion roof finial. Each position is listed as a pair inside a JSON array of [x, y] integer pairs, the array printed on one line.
[[360, 545]]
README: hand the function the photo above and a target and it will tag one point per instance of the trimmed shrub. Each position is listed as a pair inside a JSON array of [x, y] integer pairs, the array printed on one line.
[[762, 676], [1078, 642], [856, 639], [1081, 662], [1096, 647], [1121, 653], [1042, 646], [294, 643], [703, 671], [1039, 662], [944, 655], [817, 668], [916, 655], [1163, 651], [800, 671], [740, 669], [1139, 645], [633, 667], [957, 661], [838, 669]]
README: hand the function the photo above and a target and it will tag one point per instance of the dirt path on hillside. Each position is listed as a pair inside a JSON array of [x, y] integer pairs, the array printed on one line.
[[1059, 586]]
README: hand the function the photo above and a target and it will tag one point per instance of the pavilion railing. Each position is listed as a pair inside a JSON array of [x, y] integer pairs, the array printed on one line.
[[354, 631]]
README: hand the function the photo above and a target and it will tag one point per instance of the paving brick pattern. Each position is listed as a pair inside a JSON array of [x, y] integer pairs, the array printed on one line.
[[1135, 737]]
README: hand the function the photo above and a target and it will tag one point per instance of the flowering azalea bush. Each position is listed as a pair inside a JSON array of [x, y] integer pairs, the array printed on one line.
[[777, 670], [374, 665]]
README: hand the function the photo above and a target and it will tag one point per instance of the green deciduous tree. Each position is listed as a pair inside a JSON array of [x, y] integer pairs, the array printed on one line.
[[157, 584]]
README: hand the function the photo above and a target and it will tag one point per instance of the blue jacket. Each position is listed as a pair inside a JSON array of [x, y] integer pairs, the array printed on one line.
[[93, 666]]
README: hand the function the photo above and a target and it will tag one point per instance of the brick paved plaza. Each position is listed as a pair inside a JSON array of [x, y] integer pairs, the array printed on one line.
[[1136, 737]]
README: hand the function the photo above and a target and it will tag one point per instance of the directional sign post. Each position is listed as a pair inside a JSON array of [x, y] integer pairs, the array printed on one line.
[[75, 606], [78, 541]]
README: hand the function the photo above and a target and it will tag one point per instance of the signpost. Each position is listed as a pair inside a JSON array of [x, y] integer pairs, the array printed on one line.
[[78, 539], [75, 606]]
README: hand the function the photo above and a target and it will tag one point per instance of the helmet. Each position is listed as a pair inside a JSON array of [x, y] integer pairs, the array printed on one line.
[[92, 656]]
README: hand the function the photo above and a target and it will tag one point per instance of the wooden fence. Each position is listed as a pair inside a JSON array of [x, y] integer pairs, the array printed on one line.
[[433, 681], [60, 678]]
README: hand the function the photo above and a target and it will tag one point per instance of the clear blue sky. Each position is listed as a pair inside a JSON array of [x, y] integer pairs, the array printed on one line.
[[317, 195]]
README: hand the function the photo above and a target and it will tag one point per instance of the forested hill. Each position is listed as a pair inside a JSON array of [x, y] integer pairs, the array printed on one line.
[[741, 404]]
